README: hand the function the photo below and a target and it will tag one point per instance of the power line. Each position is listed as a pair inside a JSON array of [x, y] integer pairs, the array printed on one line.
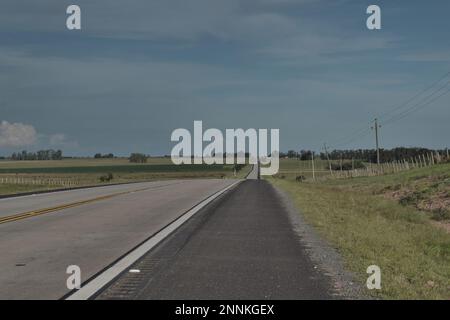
[[415, 108], [363, 134], [398, 107], [344, 139], [423, 102]]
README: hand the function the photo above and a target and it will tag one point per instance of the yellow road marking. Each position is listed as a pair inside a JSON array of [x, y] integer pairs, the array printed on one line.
[[29, 214]]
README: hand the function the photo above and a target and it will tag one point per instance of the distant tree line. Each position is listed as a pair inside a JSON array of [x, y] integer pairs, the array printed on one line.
[[386, 155], [49, 154], [366, 155], [347, 165], [301, 155], [138, 158], [104, 156]]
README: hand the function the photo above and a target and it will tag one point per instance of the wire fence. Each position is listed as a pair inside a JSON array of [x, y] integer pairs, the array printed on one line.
[[40, 181], [422, 161]]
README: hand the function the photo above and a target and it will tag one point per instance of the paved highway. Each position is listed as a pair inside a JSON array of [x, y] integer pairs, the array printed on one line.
[[186, 239], [15, 205], [242, 246], [101, 225], [254, 174]]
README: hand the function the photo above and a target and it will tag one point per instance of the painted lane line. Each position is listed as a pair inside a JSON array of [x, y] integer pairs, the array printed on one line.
[[104, 278], [33, 213], [45, 193], [135, 271]]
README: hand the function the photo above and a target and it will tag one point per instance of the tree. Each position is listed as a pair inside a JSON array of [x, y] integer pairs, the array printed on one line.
[[138, 158], [292, 154], [57, 155], [39, 155], [103, 156], [305, 155]]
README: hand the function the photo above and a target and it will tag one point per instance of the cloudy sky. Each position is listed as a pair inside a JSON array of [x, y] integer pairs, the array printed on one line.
[[139, 69]]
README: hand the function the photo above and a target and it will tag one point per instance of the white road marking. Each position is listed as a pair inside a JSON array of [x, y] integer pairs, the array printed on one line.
[[96, 284]]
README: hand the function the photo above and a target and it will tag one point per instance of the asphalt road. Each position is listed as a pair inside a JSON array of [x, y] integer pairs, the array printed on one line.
[[35, 251], [253, 175], [9, 206], [242, 246]]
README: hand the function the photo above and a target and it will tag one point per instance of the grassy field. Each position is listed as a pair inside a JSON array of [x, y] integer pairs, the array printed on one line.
[[79, 162], [392, 221], [20, 188], [291, 168], [122, 168], [27, 176]]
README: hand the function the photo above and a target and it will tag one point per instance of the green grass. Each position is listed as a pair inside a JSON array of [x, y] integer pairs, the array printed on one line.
[[291, 168], [426, 189], [21, 188], [368, 228], [78, 162], [122, 168], [87, 172], [402, 178]]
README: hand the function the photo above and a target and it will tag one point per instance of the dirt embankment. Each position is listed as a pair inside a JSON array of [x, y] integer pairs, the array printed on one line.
[[428, 194]]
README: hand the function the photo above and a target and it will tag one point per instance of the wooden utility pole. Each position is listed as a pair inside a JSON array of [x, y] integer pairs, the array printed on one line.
[[376, 126], [328, 158], [313, 168]]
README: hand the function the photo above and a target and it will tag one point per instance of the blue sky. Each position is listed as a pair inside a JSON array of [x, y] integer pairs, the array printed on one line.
[[140, 69]]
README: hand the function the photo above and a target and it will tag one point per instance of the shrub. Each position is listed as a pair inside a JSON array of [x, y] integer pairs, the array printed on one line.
[[440, 214], [107, 178], [348, 165], [138, 158]]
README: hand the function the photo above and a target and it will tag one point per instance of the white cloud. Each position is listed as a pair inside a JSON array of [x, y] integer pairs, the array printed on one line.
[[57, 139], [60, 140], [16, 134]]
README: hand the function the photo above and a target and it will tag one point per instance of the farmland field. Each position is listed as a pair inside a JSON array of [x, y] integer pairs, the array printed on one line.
[[121, 168], [293, 167], [27, 176], [78, 162]]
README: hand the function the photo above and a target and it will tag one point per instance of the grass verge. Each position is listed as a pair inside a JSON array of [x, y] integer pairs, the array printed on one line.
[[368, 228]]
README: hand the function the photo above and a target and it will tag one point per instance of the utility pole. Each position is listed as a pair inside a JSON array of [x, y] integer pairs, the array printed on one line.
[[328, 157], [376, 126], [313, 168]]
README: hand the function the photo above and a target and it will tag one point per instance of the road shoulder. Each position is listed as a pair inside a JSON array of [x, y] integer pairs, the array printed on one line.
[[242, 246], [325, 258]]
